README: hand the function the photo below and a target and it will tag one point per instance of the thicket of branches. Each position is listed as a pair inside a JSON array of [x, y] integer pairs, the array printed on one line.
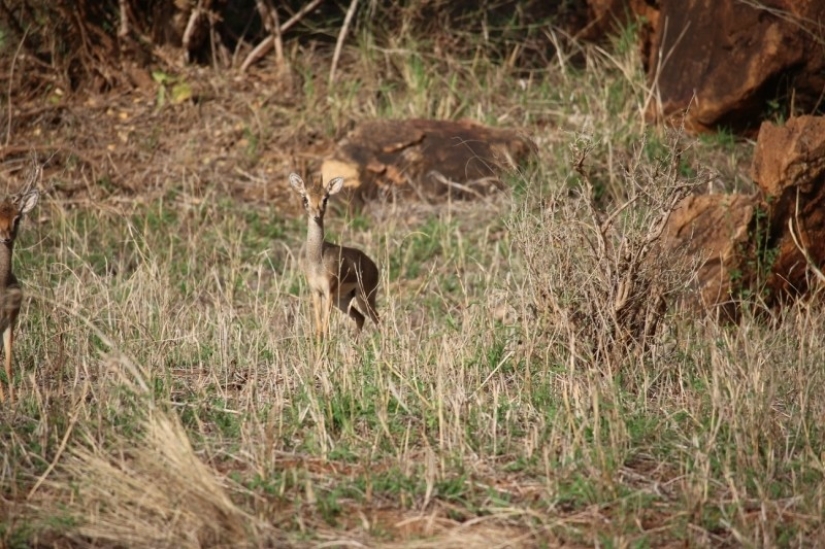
[[94, 43]]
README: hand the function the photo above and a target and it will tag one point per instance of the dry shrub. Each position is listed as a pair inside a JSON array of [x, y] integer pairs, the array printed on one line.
[[600, 279], [152, 493]]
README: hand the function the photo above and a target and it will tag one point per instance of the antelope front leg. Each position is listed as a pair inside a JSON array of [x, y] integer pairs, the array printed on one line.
[[8, 339], [316, 309], [327, 312]]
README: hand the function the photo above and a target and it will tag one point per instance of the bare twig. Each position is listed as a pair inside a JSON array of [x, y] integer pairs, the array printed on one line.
[[272, 23], [190, 29], [653, 91], [8, 151], [805, 253], [34, 176], [263, 48], [440, 178], [63, 442], [11, 81], [220, 55], [802, 249], [123, 30], [339, 44]]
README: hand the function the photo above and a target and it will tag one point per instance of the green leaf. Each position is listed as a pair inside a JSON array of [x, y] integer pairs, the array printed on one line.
[[181, 92]]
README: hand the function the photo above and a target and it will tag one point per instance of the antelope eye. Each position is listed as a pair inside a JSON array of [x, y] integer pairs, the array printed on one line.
[[305, 201]]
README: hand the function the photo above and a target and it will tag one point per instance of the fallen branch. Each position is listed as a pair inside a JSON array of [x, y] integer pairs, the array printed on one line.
[[272, 24], [263, 48], [189, 31], [339, 44]]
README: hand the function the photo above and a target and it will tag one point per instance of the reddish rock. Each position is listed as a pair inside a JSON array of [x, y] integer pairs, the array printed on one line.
[[425, 159], [789, 168], [606, 17], [711, 232], [723, 63], [743, 243]]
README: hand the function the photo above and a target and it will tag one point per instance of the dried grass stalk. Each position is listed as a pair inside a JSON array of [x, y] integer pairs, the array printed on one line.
[[158, 494]]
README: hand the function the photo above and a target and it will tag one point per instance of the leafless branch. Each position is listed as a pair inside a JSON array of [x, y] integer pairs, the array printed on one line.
[[272, 23], [263, 48], [339, 44], [11, 82], [191, 25], [123, 30]]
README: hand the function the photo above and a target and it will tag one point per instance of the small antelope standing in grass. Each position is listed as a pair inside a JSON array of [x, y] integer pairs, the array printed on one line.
[[12, 210], [335, 274]]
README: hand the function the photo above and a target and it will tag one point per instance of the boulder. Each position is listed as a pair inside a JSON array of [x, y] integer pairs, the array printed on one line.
[[711, 233], [425, 159], [727, 63], [767, 243], [789, 169]]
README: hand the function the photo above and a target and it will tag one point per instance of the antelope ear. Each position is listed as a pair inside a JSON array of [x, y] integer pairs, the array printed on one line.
[[297, 183], [28, 201], [335, 185]]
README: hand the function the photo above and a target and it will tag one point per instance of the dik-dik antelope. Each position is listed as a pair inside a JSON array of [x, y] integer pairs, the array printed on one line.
[[12, 209], [335, 274]]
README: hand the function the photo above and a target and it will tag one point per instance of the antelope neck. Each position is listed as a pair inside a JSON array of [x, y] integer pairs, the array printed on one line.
[[5, 263], [315, 240]]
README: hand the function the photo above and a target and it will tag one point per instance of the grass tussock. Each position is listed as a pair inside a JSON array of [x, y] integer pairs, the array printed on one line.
[[154, 493], [526, 387]]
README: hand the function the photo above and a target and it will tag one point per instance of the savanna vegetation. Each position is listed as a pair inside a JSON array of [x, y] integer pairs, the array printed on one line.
[[536, 380]]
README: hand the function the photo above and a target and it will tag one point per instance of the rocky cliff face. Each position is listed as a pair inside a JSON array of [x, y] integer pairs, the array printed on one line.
[[725, 63]]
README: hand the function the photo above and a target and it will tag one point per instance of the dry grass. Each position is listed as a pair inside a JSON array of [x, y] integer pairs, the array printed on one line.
[[172, 394]]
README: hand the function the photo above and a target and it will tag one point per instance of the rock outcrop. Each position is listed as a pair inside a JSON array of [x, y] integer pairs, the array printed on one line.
[[711, 233], [728, 63], [770, 244], [425, 159], [789, 168]]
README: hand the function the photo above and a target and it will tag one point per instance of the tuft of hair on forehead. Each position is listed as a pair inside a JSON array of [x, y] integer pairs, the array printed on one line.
[[8, 213], [316, 184], [8, 208]]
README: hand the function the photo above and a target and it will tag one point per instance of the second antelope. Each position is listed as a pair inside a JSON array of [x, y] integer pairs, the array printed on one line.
[[335, 274], [12, 210]]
